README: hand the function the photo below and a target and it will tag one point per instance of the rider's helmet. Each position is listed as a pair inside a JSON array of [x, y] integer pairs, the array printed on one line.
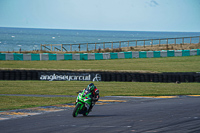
[[91, 87]]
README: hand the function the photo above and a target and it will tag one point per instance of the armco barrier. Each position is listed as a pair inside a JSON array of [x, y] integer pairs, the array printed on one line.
[[51, 75], [100, 56]]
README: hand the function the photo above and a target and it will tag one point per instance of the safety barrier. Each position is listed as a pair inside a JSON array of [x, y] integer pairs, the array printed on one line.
[[119, 44], [99, 56], [51, 75]]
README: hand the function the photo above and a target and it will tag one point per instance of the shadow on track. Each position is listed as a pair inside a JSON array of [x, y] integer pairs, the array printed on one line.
[[92, 116]]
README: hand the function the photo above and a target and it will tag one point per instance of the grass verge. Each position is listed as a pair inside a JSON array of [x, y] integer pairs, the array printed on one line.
[[18, 102], [71, 87]]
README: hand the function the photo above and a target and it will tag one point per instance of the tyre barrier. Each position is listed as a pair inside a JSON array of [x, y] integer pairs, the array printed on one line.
[[51, 75], [18, 75]]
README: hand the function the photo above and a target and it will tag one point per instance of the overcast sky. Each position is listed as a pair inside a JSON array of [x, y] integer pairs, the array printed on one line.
[[126, 15]]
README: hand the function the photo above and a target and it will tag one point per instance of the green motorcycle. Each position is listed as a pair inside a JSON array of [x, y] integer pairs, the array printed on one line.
[[83, 103]]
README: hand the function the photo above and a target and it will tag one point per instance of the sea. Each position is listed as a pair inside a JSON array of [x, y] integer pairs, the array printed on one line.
[[29, 39]]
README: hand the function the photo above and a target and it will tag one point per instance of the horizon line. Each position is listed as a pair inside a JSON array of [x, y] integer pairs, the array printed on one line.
[[95, 29]]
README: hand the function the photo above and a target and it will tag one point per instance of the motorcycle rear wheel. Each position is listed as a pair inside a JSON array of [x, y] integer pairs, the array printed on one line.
[[86, 114]]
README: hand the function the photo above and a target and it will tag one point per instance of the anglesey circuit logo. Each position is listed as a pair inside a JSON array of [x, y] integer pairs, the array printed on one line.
[[97, 77], [70, 77]]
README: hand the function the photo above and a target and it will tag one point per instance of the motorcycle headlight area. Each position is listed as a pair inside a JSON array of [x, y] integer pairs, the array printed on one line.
[[85, 99]]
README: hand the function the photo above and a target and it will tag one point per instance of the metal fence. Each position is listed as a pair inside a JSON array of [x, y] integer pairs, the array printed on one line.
[[119, 44]]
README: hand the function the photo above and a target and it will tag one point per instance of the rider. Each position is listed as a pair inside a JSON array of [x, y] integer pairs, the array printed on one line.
[[95, 94]]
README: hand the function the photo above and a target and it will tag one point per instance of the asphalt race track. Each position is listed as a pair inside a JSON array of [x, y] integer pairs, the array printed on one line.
[[136, 115]]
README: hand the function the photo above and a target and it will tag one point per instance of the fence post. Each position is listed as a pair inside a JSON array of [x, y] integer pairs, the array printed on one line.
[[70, 47], [159, 42], [104, 45], [199, 39], [87, 46], [79, 47], [61, 47], [167, 43], [128, 45], [151, 42], [112, 45], [175, 41], [136, 44]]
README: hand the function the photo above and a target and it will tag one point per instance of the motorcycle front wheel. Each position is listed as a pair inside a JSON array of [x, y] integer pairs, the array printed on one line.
[[76, 110]]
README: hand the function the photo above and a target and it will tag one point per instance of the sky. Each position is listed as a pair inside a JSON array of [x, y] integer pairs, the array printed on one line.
[[120, 15]]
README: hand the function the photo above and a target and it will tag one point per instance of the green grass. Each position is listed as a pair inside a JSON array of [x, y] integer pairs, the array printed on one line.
[[106, 88], [169, 64], [17, 102], [71, 87]]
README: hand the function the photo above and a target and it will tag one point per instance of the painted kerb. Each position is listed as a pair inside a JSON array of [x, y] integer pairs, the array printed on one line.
[[99, 56]]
